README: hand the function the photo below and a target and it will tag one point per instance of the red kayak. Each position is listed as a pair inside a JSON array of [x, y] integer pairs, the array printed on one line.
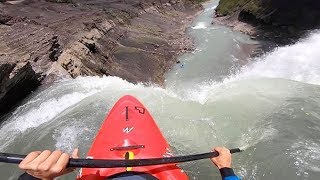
[[130, 132]]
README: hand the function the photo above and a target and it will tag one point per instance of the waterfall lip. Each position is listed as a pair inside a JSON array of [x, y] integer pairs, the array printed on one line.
[[200, 25], [211, 8], [298, 62]]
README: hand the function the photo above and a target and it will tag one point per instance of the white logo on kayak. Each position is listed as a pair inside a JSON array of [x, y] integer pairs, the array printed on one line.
[[127, 130]]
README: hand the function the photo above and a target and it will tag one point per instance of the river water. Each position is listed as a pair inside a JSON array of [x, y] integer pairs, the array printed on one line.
[[216, 96]]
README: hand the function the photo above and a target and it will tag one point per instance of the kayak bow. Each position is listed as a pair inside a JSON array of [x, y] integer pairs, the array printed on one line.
[[129, 132], [129, 141]]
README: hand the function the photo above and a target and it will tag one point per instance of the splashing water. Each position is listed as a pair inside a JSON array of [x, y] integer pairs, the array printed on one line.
[[200, 25], [298, 62]]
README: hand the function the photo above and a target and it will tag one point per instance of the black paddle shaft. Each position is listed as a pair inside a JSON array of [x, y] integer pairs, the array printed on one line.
[[107, 163]]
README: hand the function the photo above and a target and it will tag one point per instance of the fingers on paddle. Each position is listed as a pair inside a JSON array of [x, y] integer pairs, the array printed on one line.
[[40, 160], [44, 161], [75, 153], [222, 150], [60, 164], [223, 159], [50, 161], [29, 158]]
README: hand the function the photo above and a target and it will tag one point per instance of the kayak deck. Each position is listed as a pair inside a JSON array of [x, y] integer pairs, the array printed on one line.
[[130, 132]]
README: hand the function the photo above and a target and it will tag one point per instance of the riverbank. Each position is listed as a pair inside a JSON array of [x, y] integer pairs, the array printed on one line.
[[220, 52], [280, 21], [45, 41]]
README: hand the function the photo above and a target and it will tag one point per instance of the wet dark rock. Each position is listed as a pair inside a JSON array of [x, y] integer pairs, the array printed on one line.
[[4, 19], [283, 21], [55, 50], [16, 83], [90, 45]]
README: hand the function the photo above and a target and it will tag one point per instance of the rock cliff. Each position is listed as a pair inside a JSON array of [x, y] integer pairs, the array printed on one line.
[[274, 19], [41, 41]]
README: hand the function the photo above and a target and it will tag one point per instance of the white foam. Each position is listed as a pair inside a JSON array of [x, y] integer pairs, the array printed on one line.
[[257, 134], [47, 110], [306, 154], [200, 25], [39, 115], [44, 107], [299, 62], [210, 8], [48, 104], [66, 137]]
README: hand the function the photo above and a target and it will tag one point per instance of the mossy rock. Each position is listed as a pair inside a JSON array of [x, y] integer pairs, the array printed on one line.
[[227, 7], [301, 13]]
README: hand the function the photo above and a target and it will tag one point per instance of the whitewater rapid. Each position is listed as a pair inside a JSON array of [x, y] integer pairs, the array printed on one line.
[[270, 107], [298, 62]]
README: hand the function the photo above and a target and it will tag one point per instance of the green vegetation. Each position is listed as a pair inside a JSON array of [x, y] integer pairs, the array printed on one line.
[[226, 7]]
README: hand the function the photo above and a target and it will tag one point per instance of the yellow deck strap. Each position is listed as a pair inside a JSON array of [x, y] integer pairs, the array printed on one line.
[[129, 155]]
